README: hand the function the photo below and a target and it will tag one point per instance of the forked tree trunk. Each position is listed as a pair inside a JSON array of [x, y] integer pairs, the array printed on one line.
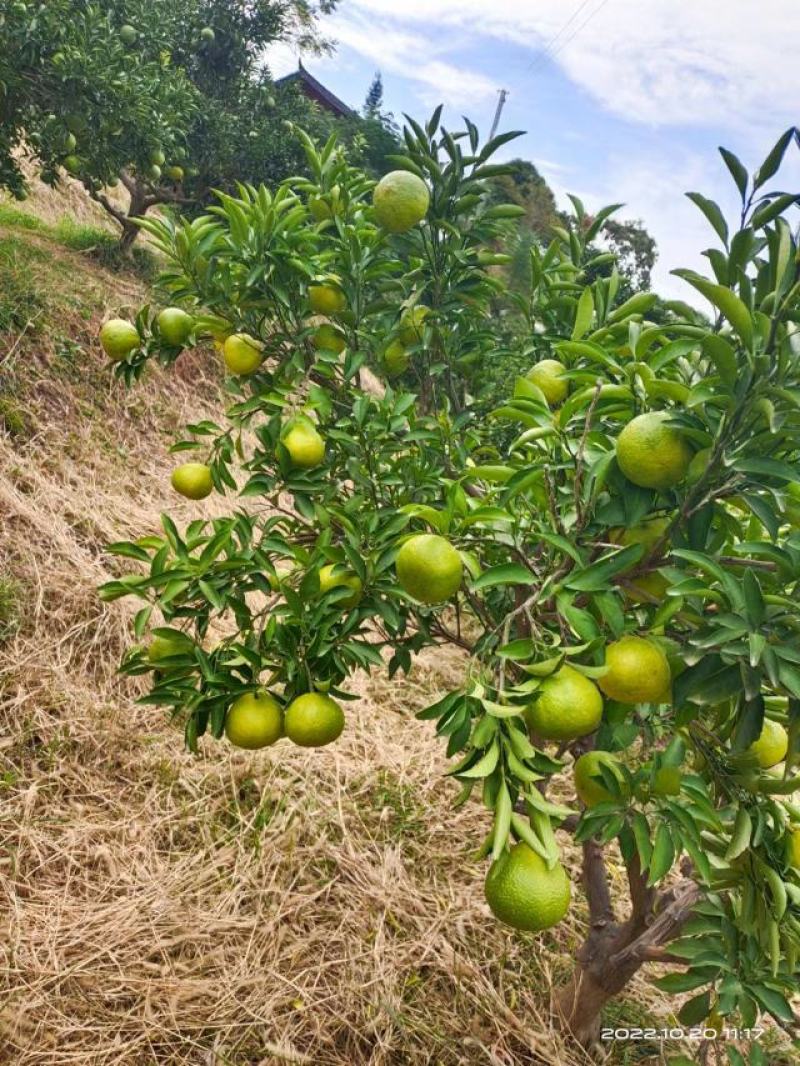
[[614, 951]]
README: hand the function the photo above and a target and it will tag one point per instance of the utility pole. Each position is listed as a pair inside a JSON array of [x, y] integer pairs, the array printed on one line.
[[500, 105]]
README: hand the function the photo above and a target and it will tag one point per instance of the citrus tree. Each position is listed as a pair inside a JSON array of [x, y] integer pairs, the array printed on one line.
[[620, 569], [168, 100]]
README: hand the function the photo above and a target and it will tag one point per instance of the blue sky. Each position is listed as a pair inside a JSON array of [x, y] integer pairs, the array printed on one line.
[[621, 99]]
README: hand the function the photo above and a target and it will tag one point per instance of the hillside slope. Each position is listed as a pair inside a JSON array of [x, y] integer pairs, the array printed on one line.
[[234, 908]]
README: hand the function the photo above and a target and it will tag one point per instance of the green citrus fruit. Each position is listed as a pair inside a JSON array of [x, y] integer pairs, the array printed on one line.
[[698, 466], [328, 580], [772, 744], [647, 588], [429, 568], [192, 480], [401, 200], [523, 893], [412, 324], [72, 165], [207, 35], [313, 720], [326, 299], [157, 158], [154, 172], [254, 720], [647, 533], [70, 143], [568, 706], [548, 374], [128, 35], [175, 174], [165, 647], [174, 325], [304, 444], [395, 359], [793, 848], [242, 354], [667, 781], [651, 453], [118, 338], [589, 781], [320, 208], [638, 671], [330, 338]]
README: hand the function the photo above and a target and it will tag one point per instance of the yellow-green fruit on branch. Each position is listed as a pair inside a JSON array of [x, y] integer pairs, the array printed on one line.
[[548, 375], [329, 579], [242, 354], [192, 480], [329, 338], [207, 35], [523, 893], [313, 720], [589, 781], [327, 299], [175, 326], [157, 158], [653, 454], [72, 165], [175, 173], [401, 200], [568, 705], [304, 444], [429, 568], [771, 745], [396, 359], [698, 466], [119, 338], [128, 35], [254, 720], [638, 671], [667, 781], [412, 324], [161, 648]]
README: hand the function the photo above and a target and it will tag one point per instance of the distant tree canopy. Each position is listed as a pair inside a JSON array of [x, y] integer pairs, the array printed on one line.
[[167, 96]]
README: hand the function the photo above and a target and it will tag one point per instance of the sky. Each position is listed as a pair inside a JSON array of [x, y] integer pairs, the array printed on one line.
[[620, 100]]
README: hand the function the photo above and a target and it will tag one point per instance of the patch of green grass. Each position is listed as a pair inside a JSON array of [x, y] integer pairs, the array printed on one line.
[[13, 418], [398, 807], [21, 303], [12, 216], [10, 603]]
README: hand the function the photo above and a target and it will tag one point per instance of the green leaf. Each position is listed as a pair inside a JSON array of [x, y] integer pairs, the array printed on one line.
[[583, 315], [774, 159], [738, 172], [506, 574], [740, 836], [713, 214], [663, 855], [731, 306], [598, 575]]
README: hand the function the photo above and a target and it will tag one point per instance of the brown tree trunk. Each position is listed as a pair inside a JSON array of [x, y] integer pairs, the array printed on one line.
[[613, 952]]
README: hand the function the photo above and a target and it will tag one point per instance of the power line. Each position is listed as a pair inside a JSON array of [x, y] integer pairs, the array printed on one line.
[[544, 56], [555, 36]]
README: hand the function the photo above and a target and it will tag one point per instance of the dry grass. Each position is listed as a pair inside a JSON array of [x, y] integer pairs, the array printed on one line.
[[284, 907]]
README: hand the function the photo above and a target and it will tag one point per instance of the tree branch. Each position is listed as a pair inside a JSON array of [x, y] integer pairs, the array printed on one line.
[[595, 882], [666, 925]]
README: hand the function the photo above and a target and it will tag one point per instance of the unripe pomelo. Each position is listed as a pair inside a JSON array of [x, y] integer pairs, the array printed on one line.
[[412, 324], [242, 354], [568, 705], [395, 359], [313, 720], [429, 568], [207, 35], [154, 172], [344, 579], [326, 299], [118, 338], [192, 480], [72, 165], [771, 745], [523, 893], [305, 445], [254, 720], [175, 174], [329, 338], [157, 158], [161, 648], [651, 453], [128, 35], [548, 374], [174, 325], [588, 780], [638, 671], [401, 200]]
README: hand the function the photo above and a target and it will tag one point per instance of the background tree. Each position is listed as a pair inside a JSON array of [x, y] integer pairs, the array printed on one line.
[[621, 576], [168, 98]]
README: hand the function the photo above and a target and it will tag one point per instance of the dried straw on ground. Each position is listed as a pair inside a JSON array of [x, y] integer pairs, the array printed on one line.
[[156, 908]]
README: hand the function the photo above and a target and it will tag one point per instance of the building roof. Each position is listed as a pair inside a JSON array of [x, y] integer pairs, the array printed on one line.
[[315, 90]]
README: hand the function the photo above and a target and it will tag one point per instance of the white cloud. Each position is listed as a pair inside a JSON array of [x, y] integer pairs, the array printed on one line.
[[722, 62]]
